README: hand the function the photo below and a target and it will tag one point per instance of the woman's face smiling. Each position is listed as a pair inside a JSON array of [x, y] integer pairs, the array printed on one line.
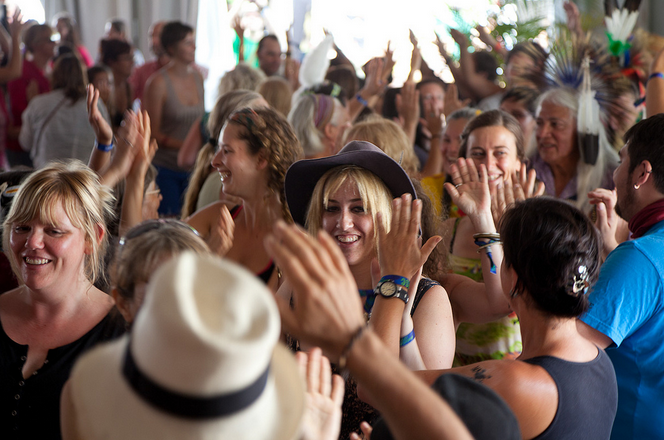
[[347, 221], [49, 255], [495, 147], [239, 170]]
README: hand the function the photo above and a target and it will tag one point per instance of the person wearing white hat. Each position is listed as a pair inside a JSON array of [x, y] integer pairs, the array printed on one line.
[[202, 362]]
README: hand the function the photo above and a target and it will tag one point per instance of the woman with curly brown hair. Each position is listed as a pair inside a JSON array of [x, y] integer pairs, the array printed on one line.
[[255, 150]]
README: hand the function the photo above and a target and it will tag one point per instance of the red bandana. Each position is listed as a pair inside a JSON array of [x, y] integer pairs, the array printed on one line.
[[645, 218]]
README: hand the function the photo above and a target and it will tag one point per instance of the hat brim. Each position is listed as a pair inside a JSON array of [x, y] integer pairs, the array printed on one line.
[[302, 176], [106, 407]]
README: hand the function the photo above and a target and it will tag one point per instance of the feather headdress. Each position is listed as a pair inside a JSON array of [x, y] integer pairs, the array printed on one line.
[[573, 60]]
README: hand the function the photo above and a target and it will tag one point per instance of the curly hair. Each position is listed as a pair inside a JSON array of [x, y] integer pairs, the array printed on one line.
[[268, 133]]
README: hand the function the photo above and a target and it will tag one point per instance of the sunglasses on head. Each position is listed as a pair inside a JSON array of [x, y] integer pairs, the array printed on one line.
[[152, 225]]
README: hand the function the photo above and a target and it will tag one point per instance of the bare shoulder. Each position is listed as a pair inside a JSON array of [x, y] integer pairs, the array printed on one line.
[[527, 389], [203, 219]]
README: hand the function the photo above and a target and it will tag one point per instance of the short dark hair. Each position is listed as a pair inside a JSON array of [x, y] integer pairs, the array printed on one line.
[[526, 95], [174, 32], [96, 70], [345, 76], [264, 39], [551, 245], [532, 50], [112, 49], [431, 80], [646, 142], [493, 118], [31, 35], [486, 63], [328, 88]]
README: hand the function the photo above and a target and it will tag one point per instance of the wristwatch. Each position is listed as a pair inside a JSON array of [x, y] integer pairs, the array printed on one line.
[[390, 289]]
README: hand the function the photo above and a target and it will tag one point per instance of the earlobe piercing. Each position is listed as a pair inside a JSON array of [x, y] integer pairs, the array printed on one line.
[[637, 186]]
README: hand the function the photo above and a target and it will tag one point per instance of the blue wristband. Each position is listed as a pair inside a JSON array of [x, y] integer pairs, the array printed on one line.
[[361, 100], [405, 340], [396, 279], [102, 147], [656, 75]]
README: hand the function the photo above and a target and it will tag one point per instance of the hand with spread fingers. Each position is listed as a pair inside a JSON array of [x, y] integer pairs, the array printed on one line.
[[399, 250], [220, 239], [517, 187], [327, 310], [325, 395], [470, 190]]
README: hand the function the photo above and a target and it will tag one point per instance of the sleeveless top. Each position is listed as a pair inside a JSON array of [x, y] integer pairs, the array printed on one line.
[[500, 339], [587, 397], [30, 408], [353, 409], [176, 120], [266, 273]]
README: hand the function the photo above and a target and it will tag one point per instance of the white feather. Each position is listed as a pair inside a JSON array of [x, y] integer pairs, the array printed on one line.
[[315, 63]]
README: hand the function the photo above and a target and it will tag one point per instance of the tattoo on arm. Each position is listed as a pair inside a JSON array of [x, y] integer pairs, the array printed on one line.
[[480, 374]]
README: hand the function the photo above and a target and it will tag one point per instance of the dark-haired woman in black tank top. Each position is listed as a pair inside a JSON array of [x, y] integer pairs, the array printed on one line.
[[562, 386]]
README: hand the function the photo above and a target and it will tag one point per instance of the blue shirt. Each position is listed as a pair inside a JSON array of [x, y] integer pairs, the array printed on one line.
[[627, 305]]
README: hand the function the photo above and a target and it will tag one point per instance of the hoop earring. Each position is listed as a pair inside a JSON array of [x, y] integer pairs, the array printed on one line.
[[637, 186]]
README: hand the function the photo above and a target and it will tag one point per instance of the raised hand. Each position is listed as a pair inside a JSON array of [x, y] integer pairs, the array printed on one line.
[[408, 108], [374, 83], [220, 239], [388, 64], [573, 18], [470, 190], [452, 102], [526, 182], [399, 250], [325, 394], [608, 222], [327, 311], [16, 24], [102, 129], [459, 37], [366, 432]]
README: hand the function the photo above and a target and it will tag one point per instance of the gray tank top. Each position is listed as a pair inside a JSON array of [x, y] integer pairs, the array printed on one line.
[[176, 120]]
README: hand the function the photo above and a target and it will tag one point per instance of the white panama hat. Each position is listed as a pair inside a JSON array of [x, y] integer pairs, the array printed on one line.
[[206, 363]]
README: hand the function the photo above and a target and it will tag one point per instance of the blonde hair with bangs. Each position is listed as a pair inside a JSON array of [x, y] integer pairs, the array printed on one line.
[[375, 195], [87, 203]]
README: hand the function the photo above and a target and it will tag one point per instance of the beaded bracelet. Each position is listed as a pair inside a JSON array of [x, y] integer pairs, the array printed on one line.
[[405, 340], [396, 279], [102, 147], [361, 100], [343, 359]]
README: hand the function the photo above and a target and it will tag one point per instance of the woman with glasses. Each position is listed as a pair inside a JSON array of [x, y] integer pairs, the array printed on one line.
[[54, 236]]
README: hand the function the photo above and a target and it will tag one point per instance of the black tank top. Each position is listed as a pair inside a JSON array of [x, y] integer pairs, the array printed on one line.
[[587, 397]]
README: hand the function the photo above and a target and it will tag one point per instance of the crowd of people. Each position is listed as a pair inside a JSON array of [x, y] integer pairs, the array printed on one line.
[[323, 256]]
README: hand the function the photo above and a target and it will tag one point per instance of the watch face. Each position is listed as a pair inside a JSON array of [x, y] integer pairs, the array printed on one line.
[[388, 288]]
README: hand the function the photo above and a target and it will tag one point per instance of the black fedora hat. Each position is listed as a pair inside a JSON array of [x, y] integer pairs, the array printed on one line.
[[303, 175]]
